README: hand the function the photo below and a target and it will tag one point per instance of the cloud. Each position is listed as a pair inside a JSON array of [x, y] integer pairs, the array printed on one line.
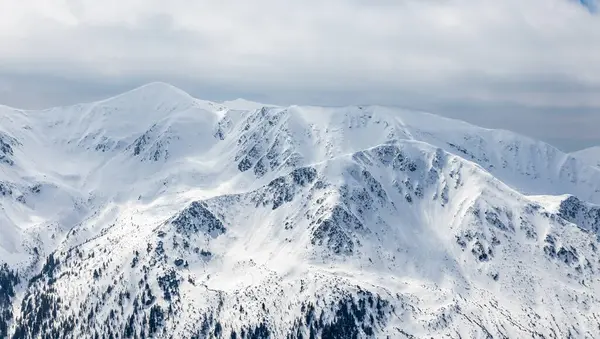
[[423, 53]]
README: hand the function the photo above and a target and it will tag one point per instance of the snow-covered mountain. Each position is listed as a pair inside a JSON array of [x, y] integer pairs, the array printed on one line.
[[155, 214], [589, 155]]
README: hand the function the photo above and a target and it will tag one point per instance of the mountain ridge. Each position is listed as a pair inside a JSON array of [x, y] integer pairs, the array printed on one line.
[[153, 213]]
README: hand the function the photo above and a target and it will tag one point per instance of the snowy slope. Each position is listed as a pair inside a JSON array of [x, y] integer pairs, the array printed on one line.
[[157, 214], [589, 155]]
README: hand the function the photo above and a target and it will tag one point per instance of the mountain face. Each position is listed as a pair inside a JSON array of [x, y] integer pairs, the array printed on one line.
[[589, 155], [154, 214]]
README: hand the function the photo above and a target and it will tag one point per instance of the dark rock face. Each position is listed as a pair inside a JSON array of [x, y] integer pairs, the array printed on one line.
[[415, 174], [264, 144], [150, 145], [244, 165], [261, 168], [223, 128], [374, 186], [304, 176], [140, 144], [392, 155], [282, 190], [500, 219], [478, 244], [334, 229], [6, 189], [568, 255], [197, 218], [581, 214], [6, 149]]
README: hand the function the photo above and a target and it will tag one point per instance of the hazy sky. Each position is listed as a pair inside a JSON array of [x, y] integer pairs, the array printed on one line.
[[532, 66]]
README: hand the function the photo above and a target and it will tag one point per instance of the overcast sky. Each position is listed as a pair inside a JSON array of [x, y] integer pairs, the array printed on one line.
[[532, 66]]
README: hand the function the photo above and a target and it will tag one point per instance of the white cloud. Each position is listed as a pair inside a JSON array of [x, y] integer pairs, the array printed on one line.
[[392, 43]]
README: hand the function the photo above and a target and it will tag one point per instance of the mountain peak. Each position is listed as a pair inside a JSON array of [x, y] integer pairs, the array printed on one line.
[[243, 104], [155, 89], [158, 86]]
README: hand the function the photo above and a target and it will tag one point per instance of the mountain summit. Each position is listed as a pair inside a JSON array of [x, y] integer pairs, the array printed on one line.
[[155, 214]]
